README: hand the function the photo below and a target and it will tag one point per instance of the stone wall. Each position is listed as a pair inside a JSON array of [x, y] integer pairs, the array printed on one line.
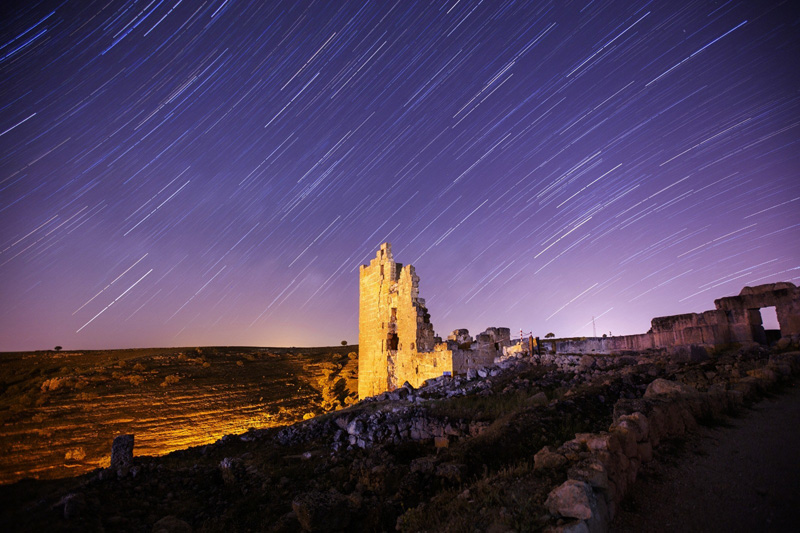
[[603, 467], [736, 319]]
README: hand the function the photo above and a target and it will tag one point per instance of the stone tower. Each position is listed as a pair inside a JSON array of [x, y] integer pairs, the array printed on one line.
[[393, 324]]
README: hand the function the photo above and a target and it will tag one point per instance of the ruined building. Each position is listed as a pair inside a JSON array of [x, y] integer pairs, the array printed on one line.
[[735, 320], [396, 341]]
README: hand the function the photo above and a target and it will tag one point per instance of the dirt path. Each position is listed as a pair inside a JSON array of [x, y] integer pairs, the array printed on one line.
[[743, 475]]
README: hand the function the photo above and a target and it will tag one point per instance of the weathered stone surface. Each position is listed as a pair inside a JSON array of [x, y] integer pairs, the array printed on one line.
[[547, 458], [687, 337], [590, 471], [663, 387], [572, 499], [171, 524], [122, 452], [636, 423]]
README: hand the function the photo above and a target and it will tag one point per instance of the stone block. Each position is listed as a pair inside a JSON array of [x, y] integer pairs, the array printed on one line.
[[122, 452], [548, 459], [572, 499]]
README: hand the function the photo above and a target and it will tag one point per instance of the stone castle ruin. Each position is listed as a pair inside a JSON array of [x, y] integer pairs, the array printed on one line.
[[396, 341]]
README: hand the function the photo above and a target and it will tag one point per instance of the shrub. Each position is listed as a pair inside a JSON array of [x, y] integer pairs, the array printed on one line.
[[170, 380]]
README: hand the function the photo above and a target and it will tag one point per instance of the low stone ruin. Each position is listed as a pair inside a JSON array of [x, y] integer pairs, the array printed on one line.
[[736, 320], [602, 467]]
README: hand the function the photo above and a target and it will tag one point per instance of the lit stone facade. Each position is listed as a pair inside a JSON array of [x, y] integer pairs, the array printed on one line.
[[395, 335]]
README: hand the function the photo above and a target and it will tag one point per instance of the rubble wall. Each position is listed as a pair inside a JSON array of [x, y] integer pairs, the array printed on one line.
[[736, 319], [601, 345], [603, 467]]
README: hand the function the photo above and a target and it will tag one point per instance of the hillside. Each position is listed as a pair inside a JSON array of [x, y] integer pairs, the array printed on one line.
[[529, 444], [59, 412]]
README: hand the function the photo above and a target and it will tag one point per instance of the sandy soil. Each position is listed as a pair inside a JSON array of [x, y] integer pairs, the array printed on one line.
[[742, 475]]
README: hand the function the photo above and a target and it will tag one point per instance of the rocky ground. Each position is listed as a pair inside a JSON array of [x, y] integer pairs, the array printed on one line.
[[533, 443], [60, 411]]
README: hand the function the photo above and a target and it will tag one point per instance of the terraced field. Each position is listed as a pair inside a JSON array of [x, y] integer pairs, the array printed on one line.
[[59, 412]]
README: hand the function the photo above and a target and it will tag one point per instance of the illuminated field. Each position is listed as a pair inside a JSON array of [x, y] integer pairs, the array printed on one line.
[[60, 411]]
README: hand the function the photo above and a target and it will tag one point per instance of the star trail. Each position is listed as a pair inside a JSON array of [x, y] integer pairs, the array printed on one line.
[[180, 172]]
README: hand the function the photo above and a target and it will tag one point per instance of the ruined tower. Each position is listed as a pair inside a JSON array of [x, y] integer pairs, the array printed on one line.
[[393, 323], [395, 335]]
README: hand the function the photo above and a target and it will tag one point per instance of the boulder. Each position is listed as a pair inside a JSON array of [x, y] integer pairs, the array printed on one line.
[[636, 423], [590, 471], [662, 387], [548, 459], [571, 499], [586, 363]]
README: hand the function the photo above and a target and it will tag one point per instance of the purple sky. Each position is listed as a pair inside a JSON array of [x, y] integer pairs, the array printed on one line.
[[179, 173]]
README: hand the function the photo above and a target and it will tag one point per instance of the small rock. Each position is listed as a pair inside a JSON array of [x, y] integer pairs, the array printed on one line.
[[548, 459], [540, 398], [591, 471]]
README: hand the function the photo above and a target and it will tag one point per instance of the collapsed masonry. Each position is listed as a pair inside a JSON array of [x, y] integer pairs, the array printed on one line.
[[396, 342]]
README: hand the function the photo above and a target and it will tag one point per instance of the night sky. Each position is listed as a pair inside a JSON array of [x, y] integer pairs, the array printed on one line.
[[187, 173]]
